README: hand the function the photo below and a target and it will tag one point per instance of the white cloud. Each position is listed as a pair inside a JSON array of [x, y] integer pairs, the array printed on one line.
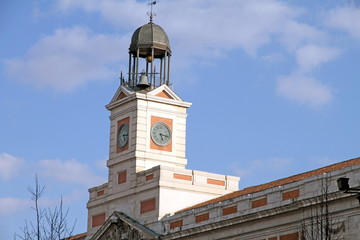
[[9, 166], [241, 172], [70, 171], [67, 59], [295, 34], [273, 165], [72, 57], [304, 90], [273, 58], [11, 205], [201, 29], [310, 56], [74, 196], [102, 165], [127, 14], [202, 32], [345, 18], [210, 27]]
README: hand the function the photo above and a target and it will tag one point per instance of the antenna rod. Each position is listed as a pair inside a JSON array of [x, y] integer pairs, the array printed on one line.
[[151, 13]]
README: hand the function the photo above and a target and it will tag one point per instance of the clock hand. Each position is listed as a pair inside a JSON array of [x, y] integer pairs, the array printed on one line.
[[161, 135], [124, 137]]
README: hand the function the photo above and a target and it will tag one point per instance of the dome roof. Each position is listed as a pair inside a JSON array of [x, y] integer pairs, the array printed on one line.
[[150, 36]]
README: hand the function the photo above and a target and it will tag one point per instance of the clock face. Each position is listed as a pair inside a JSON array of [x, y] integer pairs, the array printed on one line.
[[123, 135], [161, 134]]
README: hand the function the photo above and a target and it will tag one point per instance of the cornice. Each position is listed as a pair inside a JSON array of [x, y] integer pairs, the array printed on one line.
[[222, 222], [147, 97]]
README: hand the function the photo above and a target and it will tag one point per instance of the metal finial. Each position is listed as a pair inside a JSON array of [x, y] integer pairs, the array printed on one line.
[[121, 78], [151, 14]]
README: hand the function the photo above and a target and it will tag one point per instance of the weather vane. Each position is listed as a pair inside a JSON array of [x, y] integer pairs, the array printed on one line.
[[151, 14]]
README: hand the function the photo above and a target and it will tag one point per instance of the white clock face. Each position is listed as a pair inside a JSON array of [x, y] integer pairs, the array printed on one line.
[[161, 134], [123, 135]]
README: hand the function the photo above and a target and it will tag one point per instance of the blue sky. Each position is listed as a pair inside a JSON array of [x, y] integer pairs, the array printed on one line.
[[274, 86]]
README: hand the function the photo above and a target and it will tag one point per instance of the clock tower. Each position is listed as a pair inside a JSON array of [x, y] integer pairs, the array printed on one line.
[[148, 179]]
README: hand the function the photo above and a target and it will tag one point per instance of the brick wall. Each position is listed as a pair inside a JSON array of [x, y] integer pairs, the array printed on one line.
[[147, 205], [259, 203], [291, 194], [229, 210], [122, 177], [98, 220]]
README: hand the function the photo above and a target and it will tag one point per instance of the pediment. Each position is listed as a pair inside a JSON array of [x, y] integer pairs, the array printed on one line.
[[165, 92], [121, 93], [121, 226], [121, 96]]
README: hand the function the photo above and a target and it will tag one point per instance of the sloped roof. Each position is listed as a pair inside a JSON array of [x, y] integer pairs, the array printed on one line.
[[280, 182], [81, 236]]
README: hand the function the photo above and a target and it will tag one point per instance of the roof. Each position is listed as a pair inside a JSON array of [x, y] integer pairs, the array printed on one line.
[[150, 36], [276, 183], [81, 236]]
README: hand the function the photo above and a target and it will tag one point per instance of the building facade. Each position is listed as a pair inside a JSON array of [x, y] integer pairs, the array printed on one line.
[[148, 179], [305, 206], [151, 195]]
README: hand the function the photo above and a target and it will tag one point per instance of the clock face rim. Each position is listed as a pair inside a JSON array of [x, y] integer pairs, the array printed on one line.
[[161, 144], [120, 143]]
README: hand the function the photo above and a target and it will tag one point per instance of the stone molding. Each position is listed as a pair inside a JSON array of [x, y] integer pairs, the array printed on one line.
[[120, 226]]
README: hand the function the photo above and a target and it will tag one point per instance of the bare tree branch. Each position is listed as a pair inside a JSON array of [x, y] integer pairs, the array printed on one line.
[[319, 224], [50, 224]]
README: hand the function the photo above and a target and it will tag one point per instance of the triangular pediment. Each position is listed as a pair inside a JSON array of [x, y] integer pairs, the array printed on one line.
[[121, 96], [121, 226], [121, 93], [165, 92]]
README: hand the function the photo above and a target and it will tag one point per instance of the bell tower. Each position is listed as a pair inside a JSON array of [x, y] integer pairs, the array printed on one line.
[[149, 44], [147, 177], [147, 118]]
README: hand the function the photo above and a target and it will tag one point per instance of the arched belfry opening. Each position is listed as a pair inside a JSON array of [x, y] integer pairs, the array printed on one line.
[[149, 58]]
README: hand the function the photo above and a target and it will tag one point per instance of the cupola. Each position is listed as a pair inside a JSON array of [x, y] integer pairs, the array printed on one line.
[[149, 56]]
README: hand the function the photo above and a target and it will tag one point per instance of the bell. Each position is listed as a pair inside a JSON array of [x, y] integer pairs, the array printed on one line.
[[143, 83]]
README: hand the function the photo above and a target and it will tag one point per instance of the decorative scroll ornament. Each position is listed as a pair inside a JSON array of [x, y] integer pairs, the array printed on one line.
[[121, 227]]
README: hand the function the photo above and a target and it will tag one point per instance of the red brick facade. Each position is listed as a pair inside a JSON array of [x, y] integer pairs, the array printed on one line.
[[291, 194], [215, 182], [202, 217], [229, 210], [259, 203], [122, 177], [100, 193], [98, 220], [147, 205], [176, 224], [182, 177], [149, 177], [291, 236]]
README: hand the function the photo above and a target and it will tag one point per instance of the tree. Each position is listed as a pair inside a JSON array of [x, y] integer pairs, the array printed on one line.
[[318, 224], [49, 224]]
